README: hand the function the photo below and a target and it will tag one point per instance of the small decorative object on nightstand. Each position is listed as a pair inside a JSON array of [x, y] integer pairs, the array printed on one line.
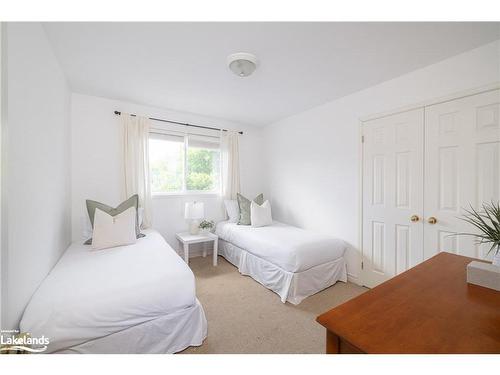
[[207, 226], [194, 211], [185, 239]]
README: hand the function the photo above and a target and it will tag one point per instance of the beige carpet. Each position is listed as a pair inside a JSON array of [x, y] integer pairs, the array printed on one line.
[[245, 317]]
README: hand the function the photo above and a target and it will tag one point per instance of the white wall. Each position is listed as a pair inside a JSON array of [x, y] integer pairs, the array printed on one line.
[[97, 162], [313, 157], [37, 160], [2, 114]]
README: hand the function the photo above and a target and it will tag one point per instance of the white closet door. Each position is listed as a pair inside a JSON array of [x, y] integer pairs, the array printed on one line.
[[462, 168], [392, 194]]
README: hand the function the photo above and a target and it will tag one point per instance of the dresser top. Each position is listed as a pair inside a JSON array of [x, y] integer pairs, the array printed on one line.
[[428, 309]]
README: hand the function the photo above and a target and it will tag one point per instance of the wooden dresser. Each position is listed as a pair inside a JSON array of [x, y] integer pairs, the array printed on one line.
[[427, 309]]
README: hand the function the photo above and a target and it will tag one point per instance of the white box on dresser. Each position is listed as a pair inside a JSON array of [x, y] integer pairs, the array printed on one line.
[[484, 274]]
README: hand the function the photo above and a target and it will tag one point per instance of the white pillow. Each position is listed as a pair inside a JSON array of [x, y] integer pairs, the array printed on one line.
[[87, 225], [233, 210], [111, 231], [260, 216]]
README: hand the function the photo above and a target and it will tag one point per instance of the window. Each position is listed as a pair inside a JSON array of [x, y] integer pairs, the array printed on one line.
[[184, 164]]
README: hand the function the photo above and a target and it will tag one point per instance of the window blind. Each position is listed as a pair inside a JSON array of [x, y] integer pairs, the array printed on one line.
[[208, 142]]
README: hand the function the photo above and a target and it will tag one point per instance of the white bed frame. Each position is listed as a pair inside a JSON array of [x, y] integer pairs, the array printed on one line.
[[292, 287]]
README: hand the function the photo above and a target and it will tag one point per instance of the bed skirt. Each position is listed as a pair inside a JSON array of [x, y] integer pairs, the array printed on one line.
[[292, 287], [170, 333]]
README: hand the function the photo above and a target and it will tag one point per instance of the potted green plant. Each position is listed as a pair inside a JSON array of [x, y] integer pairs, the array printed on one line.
[[487, 221], [207, 226]]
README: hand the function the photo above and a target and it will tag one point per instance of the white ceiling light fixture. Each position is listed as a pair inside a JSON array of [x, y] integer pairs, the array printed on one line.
[[242, 64]]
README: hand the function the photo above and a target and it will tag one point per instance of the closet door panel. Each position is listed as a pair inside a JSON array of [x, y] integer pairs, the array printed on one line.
[[392, 194], [461, 169]]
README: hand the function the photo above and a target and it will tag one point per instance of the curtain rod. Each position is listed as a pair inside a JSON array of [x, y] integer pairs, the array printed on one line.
[[118, 113]]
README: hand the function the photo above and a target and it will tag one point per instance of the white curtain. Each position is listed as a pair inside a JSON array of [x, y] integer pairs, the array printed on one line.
[[230, 164], [136, 157]]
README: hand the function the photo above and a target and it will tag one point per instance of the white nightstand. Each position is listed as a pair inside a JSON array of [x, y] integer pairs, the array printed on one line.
[[186, 239]]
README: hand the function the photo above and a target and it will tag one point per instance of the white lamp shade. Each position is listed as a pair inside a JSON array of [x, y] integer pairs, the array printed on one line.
[[194, 210]]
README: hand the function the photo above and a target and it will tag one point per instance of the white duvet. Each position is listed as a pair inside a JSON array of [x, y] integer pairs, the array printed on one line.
[[291, 248], [91, 294]]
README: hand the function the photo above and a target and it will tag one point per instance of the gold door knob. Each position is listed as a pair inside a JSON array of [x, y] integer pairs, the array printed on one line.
[[432, 220], [414, 218]]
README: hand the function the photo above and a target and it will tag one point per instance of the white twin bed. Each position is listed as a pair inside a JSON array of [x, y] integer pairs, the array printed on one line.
[[290, 261], [129, 299]]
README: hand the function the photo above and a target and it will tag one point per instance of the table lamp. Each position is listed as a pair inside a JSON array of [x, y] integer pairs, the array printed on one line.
[[194, 211]]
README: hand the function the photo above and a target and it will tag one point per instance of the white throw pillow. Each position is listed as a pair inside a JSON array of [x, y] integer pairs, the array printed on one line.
[[260, 215], [111, 231], [87, 225], [233, 210]]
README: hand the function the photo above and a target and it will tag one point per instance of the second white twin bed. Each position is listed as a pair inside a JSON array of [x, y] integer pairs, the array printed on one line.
[[290, 261]]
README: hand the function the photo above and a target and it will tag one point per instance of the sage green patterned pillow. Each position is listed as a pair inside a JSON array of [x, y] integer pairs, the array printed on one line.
[[133, 201], [244, 205]]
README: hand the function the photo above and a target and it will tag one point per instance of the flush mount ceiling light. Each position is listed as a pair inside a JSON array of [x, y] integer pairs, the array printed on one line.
[[242, 64]]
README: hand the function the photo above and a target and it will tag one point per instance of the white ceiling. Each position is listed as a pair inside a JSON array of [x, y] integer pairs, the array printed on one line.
[[182, 66]]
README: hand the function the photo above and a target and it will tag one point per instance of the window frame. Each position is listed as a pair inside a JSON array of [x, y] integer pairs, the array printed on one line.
[[184, 192]]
